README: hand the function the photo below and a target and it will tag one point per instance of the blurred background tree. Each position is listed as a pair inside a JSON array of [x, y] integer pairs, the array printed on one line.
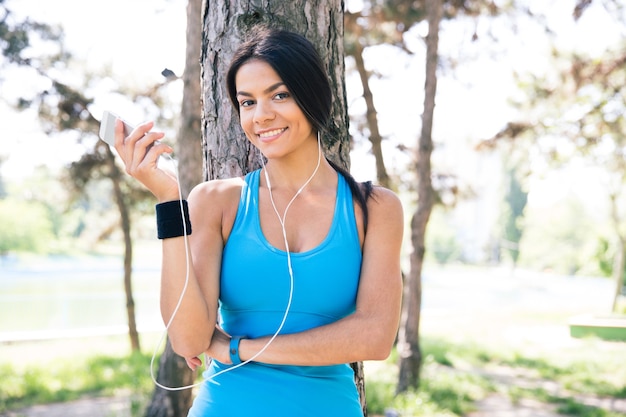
[[64, 106], [574, 114]]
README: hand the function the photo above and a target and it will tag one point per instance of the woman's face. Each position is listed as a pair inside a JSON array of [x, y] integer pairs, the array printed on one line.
[[269, 115]]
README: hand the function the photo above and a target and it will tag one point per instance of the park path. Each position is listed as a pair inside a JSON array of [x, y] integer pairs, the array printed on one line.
[[84, 407], [494, 405], [499, 405]]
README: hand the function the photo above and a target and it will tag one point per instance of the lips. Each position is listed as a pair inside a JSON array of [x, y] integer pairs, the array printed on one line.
[[271, 133]]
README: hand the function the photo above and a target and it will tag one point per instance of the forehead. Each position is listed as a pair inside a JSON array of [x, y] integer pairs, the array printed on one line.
[[255, 75]]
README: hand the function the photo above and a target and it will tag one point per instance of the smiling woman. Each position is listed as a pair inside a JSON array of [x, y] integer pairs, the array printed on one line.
[[268, 112], [298, 261]]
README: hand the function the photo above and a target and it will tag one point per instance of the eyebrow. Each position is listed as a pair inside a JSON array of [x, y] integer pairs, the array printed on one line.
[[266, 91]]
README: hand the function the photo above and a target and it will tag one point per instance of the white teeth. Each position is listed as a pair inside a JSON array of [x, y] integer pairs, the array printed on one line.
[[270, 133]]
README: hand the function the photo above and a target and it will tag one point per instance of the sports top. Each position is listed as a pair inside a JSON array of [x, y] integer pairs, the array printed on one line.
[[254, 293]]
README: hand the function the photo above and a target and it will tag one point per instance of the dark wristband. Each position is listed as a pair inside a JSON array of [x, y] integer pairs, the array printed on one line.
[[233, 349], [171, 221]]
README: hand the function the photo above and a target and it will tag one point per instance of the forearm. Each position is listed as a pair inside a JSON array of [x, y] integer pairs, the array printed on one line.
[[183, 305], [357, 337]]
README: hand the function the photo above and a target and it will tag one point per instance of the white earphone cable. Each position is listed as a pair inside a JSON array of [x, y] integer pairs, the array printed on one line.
[[281, 219]]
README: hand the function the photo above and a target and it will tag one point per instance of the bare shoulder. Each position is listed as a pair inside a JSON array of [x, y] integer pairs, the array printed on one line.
[[213, 205], [216, 192], [384, 205]]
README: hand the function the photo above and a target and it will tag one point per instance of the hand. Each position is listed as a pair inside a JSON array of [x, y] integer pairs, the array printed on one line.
[[220, 344], [140, 155], [193, 363]]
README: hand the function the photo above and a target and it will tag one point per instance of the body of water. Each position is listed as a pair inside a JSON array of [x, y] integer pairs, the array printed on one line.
[[57, 297], [60, 296]]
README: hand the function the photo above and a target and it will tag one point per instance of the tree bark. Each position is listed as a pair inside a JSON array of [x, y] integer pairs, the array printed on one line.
[[173, 370], [227, 152], [409, 352]]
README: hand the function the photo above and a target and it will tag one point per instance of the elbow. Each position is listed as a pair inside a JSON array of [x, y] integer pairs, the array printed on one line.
[[376, 339], [187, 347], [377, 346], [379, 351]]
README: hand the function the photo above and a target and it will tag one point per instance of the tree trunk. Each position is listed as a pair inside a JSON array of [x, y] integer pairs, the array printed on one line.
[[619, 261], [408, 342], [227, 152], [189, 137], [173, 370], [128, 250], [371, 114]]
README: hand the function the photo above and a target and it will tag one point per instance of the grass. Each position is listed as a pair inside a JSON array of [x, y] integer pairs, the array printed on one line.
[[470, 351], [74, 368], [456, 375], [69, 380]]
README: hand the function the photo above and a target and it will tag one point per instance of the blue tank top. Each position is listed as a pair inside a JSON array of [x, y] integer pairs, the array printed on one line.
[[254, 293]]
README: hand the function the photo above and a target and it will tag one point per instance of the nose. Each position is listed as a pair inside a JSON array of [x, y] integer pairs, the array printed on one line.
[[263, 112]]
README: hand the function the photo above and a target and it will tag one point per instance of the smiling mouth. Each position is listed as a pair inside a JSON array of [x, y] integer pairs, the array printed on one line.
[[271, 133]]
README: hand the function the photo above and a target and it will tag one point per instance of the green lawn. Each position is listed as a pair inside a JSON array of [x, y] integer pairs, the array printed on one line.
[[455, 375], [473, 346]]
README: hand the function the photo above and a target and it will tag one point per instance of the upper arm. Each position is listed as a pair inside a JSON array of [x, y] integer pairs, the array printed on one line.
[[380, 286], [211, 207]]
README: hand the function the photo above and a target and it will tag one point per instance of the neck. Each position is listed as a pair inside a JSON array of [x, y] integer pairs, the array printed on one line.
[[296, 173]]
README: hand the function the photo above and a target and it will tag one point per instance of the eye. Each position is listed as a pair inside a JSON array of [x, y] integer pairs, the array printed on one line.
[[281, 96], [246, 103]]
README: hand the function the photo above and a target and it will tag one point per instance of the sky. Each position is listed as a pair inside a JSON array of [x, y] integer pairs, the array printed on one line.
[[138, 38]]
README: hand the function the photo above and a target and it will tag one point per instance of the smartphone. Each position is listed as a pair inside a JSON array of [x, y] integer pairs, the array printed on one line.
[[107, 127]]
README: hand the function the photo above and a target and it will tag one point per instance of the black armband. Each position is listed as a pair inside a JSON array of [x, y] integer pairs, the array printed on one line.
[[171, 220]]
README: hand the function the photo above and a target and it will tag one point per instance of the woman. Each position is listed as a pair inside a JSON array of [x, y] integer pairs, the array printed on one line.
[[302, 262]]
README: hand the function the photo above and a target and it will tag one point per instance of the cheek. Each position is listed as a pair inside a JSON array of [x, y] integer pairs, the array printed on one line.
[[248, 128], [245, 123]]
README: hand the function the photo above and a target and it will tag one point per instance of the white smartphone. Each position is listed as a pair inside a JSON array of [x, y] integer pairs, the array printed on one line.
[[107, 127]]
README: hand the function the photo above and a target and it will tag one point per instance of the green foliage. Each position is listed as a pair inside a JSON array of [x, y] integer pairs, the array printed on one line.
[[560, 238], [68, 380], [16, 37], [26, 227], [443, 391], [515, 200], [455, 375], [441, 241], [604, 256], [442, 394], [571, 407]]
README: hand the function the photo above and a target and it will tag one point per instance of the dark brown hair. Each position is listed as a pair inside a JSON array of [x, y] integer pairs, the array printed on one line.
[[297, 63]]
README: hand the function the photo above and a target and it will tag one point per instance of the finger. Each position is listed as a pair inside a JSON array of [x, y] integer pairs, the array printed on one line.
[[119, 134], [147, 151], [139, 143], [150, 139], [140, 131], [137, 134], [193, 363]]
